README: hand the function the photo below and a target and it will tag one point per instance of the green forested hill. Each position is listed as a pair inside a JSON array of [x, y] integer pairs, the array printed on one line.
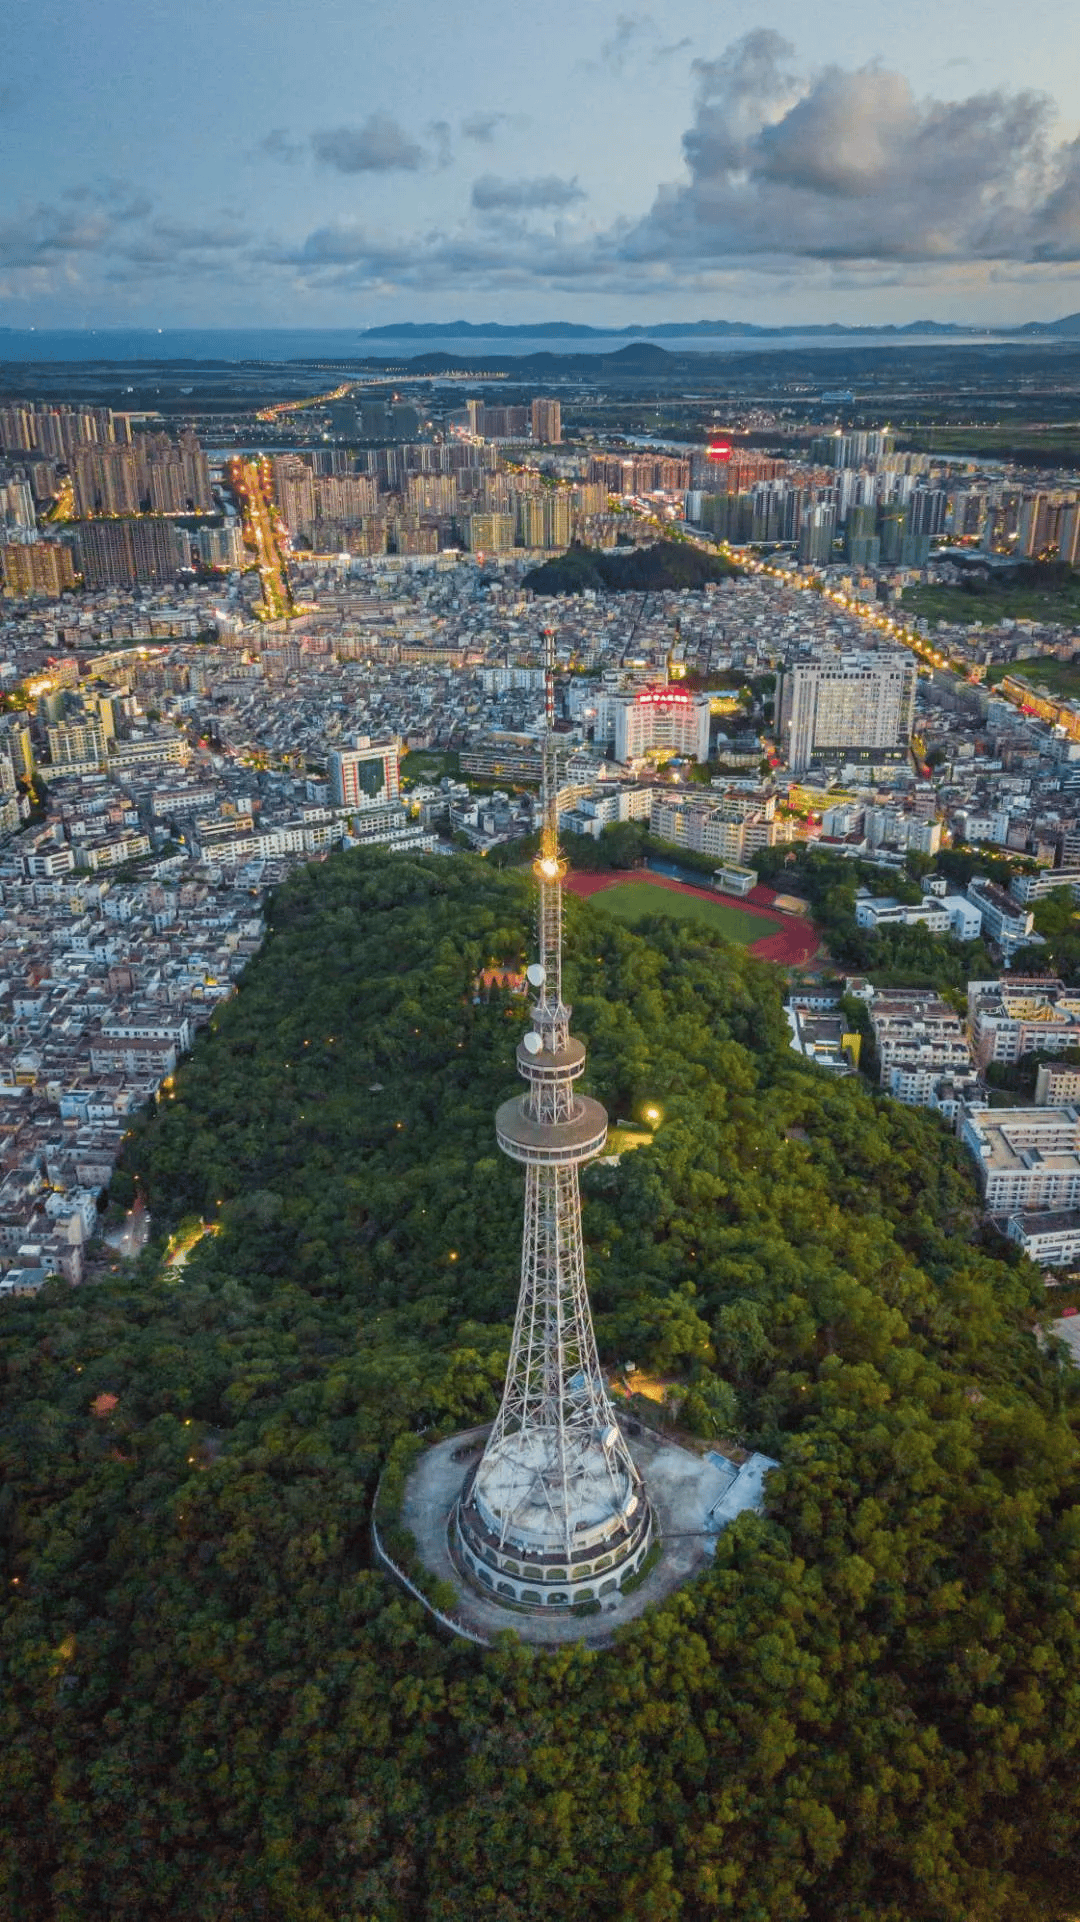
[[638, 570], [212, 1708]]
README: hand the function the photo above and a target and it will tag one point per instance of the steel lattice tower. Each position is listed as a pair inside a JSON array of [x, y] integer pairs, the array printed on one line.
[[555, 1512]]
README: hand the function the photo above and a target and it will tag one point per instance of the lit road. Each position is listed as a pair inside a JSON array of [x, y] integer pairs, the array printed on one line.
[[282, 407], [250, 482], [130, 1239], [868, 611]]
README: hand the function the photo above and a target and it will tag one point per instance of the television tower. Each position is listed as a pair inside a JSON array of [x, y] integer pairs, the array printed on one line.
[[555, 1511]]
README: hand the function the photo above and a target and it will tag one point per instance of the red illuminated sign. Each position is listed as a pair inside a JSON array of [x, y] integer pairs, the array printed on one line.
[[720, 450]]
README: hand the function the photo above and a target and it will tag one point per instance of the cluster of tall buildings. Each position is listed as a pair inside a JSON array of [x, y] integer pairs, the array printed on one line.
[[26, 427], [639, 473], [854, 449], [541, 422], [145, 550], [124, 487], [886, 515], [416, 499], [874, 507], [151, 474]]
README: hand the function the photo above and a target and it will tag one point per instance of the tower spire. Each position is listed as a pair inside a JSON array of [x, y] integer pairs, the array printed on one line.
[[555, 1512]]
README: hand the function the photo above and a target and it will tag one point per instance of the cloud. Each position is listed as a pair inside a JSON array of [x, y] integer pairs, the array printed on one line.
[[851, 165], [482, 127], [348, 255], [164, 243], [634, 38], [48, 233], [797, 186], [279, 144], [381, 145], [631, 32], [491, 194], [439, 132]]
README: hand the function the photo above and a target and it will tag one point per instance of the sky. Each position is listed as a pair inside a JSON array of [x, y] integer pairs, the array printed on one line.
[[345, 163]]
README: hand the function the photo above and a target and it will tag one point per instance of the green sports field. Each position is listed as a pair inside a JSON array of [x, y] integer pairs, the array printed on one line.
[[632, 901]]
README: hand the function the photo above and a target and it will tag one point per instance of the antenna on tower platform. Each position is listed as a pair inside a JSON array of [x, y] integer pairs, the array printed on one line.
[[556, 1500], [550, 774]]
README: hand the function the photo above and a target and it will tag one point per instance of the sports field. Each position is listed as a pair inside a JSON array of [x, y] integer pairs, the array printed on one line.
[[771, 936], [632, 900]]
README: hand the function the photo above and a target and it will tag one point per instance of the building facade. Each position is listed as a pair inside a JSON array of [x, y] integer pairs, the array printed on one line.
[[367, 775], [857, 706]]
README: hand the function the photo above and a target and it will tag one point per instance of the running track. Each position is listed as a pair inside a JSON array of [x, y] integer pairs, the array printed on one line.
[[792, 946]]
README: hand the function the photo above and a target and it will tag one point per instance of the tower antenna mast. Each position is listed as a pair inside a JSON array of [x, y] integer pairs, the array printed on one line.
[[555, 1512]]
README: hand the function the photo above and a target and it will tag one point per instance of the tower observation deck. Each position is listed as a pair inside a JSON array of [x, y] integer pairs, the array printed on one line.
[[555, 1512]]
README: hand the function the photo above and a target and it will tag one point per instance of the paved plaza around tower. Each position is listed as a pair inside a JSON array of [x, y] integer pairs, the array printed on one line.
[[684, 1488]]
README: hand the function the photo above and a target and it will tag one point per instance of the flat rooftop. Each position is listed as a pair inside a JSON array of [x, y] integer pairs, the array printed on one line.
[[1049, 1221], [1019, 1139]]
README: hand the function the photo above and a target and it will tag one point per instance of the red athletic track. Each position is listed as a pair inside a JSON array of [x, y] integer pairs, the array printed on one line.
[[792, 946]]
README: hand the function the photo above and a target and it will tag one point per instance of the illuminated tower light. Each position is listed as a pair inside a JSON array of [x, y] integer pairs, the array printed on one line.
[[555, 1511]]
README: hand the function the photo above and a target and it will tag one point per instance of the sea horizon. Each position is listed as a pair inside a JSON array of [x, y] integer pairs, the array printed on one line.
[[22, 346]]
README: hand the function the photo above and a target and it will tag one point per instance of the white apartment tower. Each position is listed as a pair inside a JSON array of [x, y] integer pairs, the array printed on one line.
[[848, 706]]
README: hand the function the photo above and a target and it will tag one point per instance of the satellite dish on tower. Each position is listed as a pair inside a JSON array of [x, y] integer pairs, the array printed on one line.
[[533, 1042], [535, 975]]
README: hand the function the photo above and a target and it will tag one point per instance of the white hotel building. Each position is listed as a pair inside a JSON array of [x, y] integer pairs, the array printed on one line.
[[670, 719]]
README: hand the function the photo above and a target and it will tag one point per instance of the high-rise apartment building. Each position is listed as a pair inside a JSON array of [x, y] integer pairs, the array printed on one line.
[[347, 498], [848, 707], [106, 480], [817, 533], [433, 493], [1046, 525], [220, 546], [547, 422], [36, 567], [17, 429], [17, 745], [544, 519], [492, 533], [364, 776], [498, 423], [294, 492], [17, 503], [124, 553]]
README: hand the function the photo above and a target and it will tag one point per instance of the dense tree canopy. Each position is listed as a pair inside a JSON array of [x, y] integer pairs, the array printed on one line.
[[214, 1708], [896, 956], [639, 570]]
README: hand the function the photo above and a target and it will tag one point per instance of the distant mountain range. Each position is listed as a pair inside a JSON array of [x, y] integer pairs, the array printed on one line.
[[1068, 327]]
